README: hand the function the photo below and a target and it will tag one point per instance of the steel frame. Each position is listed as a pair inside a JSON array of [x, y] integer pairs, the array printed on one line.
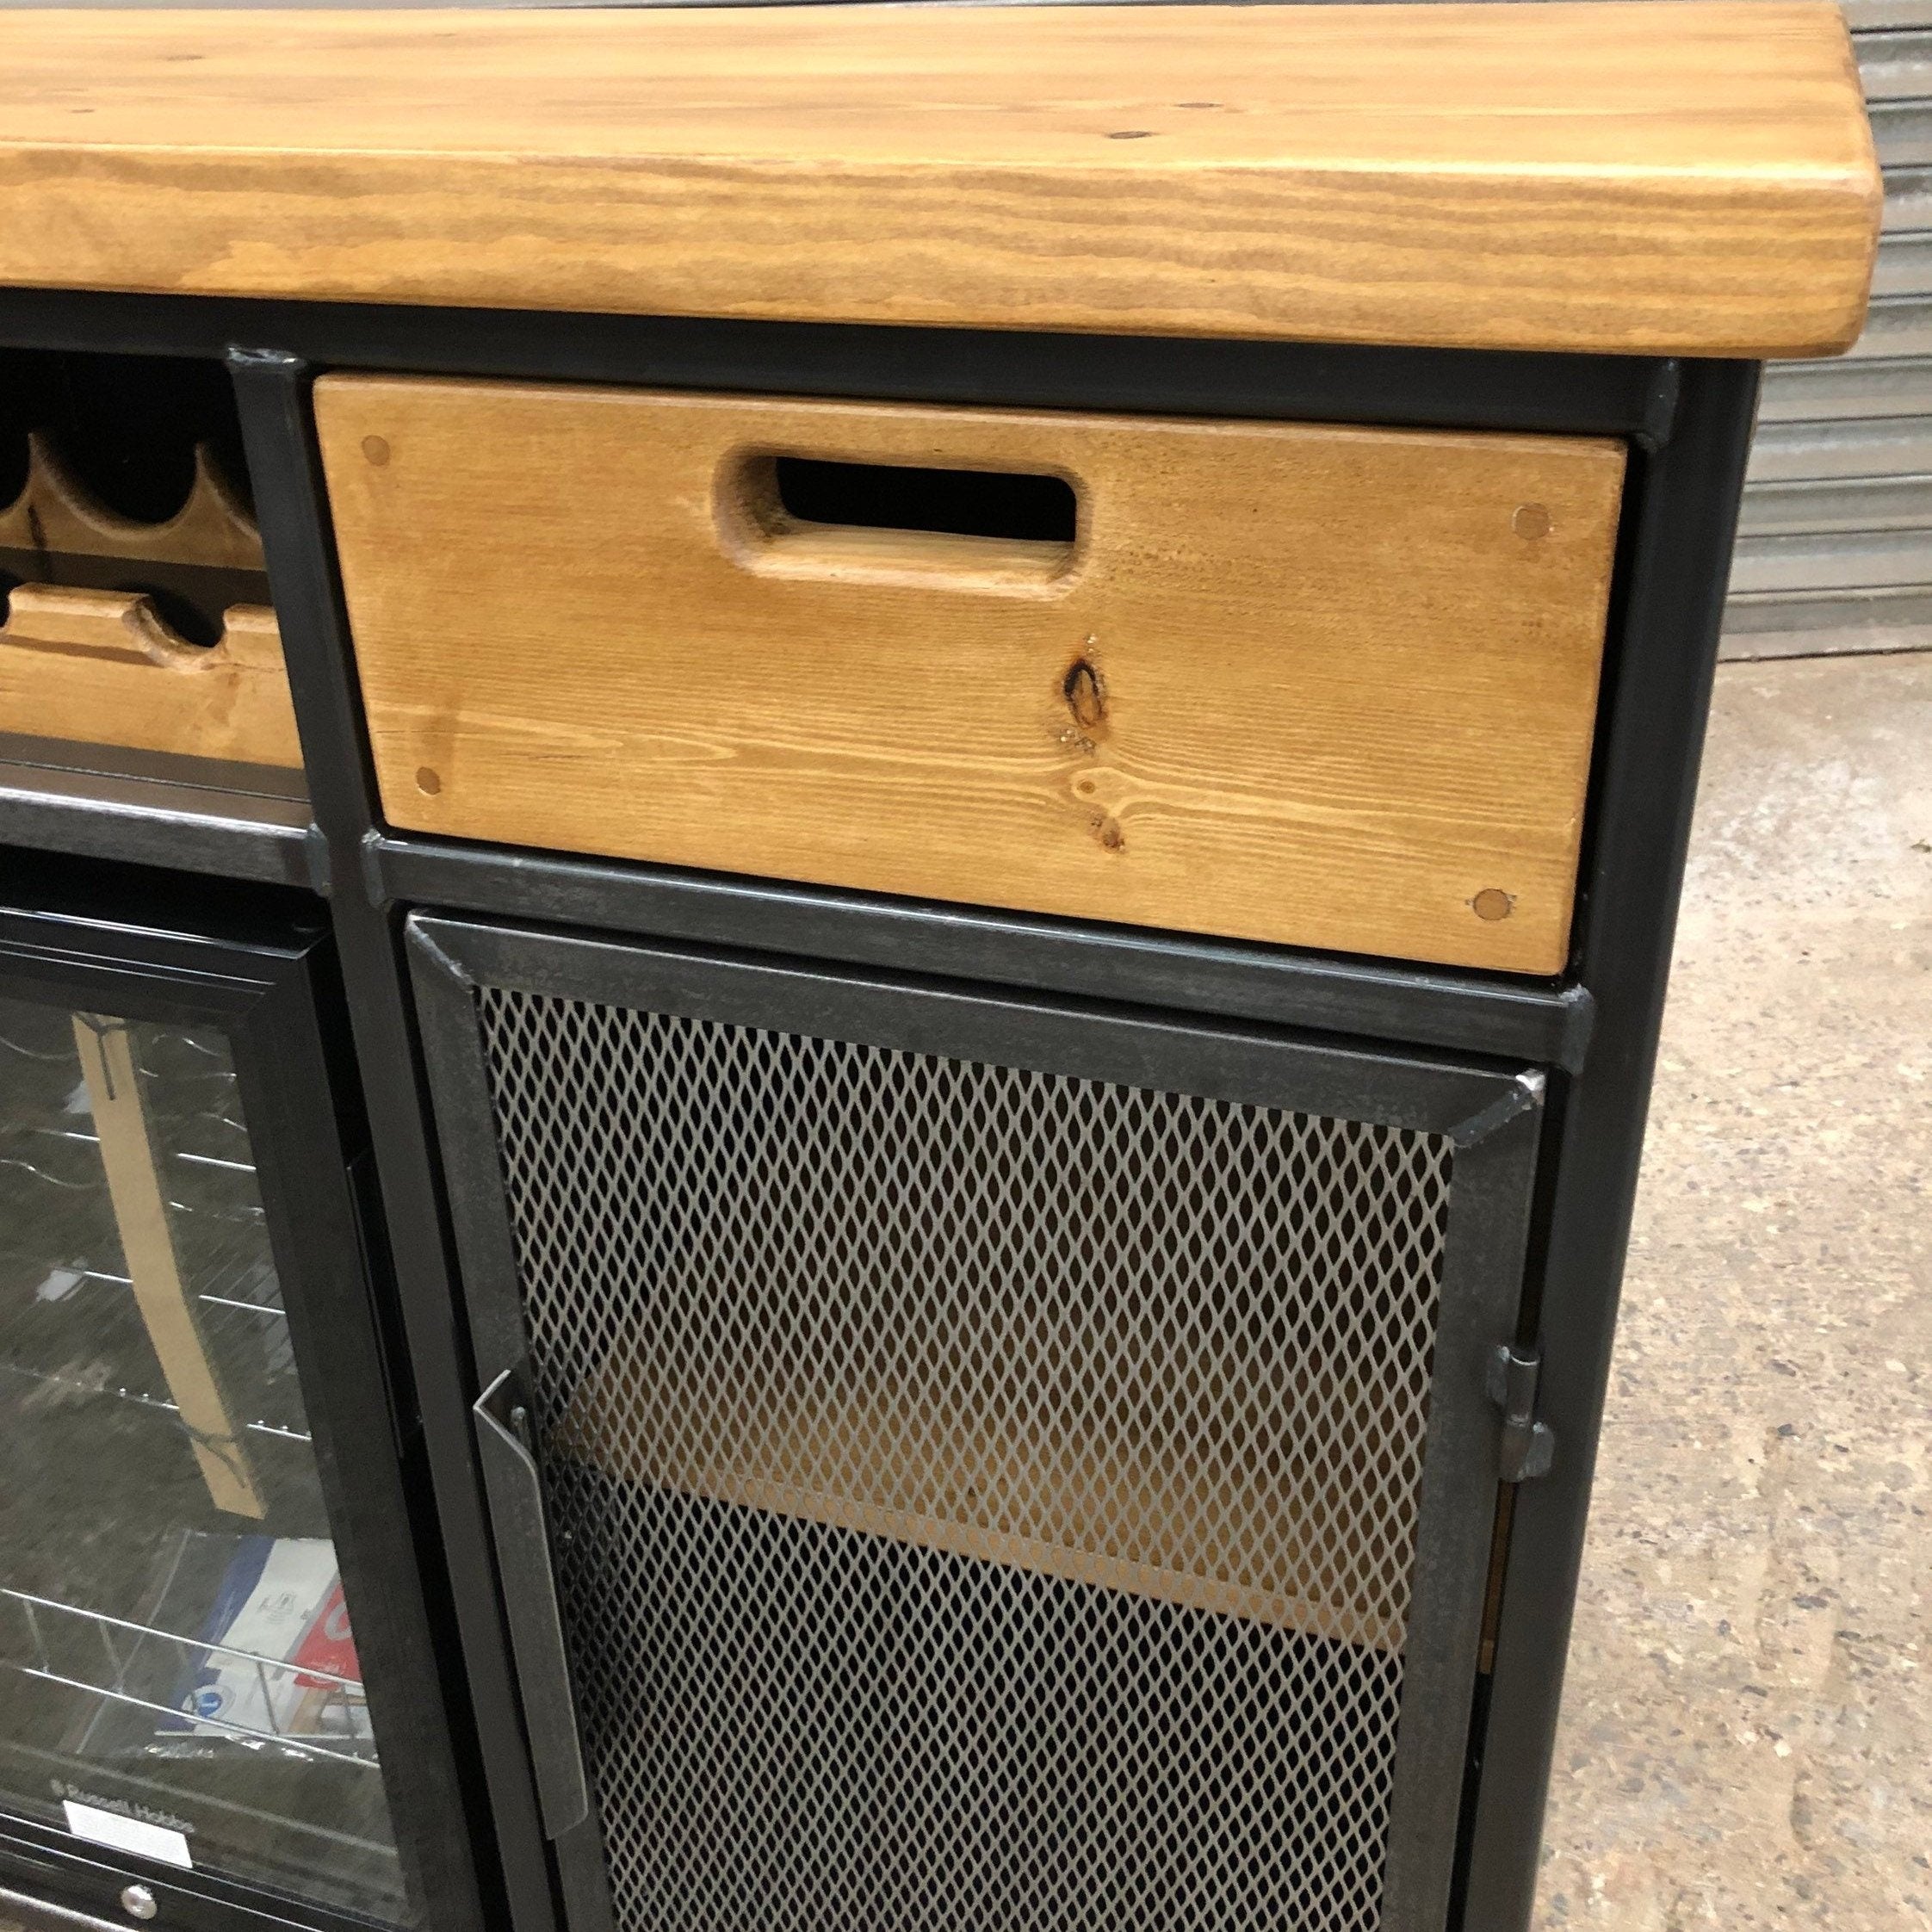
[[1687, 426], [188, 815]]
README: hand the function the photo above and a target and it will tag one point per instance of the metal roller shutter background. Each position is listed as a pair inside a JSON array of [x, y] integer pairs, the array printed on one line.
[[1834, 546]]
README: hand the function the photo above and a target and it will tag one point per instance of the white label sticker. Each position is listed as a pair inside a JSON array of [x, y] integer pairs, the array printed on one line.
[[128, 1835]]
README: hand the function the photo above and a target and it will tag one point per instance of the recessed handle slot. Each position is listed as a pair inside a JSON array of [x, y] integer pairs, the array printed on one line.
[[1006, 504], [835, 515]]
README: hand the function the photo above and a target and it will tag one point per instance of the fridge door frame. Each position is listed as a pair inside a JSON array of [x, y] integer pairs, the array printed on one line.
[[268, 983], [1492, 1111]]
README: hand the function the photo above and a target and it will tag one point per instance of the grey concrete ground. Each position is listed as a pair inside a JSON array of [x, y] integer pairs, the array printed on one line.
[[1747, 1733]]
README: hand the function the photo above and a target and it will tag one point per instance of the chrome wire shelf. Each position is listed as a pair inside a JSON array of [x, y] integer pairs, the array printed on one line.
[[200, 1149], [121, 1641], [38, 1151], [140, 1398], [236, 1324]]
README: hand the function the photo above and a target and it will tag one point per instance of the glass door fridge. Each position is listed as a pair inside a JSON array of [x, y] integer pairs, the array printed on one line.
[[188, 1714]]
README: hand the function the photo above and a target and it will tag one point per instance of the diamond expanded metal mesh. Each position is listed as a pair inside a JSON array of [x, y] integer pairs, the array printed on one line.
[[980, 1497]]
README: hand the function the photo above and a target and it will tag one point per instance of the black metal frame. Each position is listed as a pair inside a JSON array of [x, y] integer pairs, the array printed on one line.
[[1461, 389], [265, 979], [1674, 565], [1490, 1116], [238, 821], [1419, 1006], [1686, 426]]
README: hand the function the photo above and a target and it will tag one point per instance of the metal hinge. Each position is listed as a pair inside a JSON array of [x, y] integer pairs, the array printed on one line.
[[1528, 1446]]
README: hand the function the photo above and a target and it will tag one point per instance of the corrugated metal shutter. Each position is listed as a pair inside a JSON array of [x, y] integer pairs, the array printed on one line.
[[1834, 550]]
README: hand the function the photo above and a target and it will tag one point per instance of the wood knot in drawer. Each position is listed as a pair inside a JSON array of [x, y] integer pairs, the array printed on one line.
[[1085, 693], [1103, 794]]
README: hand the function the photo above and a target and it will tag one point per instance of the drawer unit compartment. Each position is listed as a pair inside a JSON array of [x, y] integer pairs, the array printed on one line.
[[1326, 686]]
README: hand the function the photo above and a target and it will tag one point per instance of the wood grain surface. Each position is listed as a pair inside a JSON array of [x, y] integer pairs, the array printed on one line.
[[1650, 176], [55, 513], [1328, 686], [101, 667]]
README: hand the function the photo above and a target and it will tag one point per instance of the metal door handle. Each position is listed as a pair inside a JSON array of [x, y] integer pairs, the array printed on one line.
[[516, 1497]]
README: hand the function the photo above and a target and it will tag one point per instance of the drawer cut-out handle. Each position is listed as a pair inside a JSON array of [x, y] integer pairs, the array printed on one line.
[[1007, 504], [828, 515]]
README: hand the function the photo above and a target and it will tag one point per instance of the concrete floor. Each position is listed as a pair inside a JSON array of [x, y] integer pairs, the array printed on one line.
[[1747, 1733]]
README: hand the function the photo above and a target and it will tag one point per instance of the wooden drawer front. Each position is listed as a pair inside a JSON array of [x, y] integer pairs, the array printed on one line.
[[1332, 687]]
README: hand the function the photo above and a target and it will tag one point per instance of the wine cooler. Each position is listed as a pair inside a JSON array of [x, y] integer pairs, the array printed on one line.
[[183, 1636]]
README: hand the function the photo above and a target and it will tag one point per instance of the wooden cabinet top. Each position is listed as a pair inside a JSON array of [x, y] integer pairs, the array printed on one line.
[[1637, 175]]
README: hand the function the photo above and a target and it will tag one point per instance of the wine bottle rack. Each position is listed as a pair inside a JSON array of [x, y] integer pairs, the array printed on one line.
[[62, 1254], [139, 610]]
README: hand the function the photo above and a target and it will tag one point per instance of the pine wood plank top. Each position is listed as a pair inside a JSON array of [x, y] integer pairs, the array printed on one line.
[[1651, 177]]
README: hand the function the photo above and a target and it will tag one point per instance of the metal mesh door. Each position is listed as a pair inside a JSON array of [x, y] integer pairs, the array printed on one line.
[[980, 1497]]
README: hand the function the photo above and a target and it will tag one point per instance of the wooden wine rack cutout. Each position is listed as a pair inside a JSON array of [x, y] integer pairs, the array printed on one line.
[[101, 666], [55, 513]]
